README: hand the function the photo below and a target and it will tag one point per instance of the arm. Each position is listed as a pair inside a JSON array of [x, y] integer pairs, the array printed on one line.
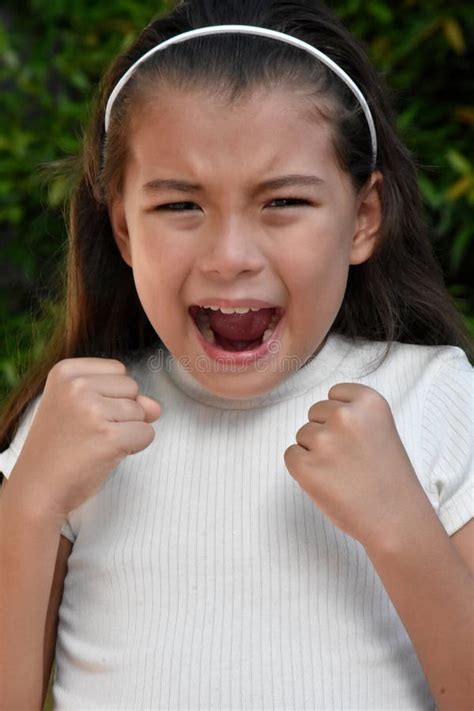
[[51, 629], [431, 587], [29, 541], [337, 461]]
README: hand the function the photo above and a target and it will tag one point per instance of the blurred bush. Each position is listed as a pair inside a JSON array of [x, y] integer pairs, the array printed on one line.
[[52, 54]]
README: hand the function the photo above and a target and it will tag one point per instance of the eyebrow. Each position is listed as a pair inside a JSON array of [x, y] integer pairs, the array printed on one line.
[[284, 181]]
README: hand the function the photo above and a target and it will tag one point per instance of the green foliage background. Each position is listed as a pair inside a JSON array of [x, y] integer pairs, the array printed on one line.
[[52, 53]]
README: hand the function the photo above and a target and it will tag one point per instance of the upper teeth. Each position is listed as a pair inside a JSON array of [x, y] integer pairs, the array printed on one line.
[[232, 309]]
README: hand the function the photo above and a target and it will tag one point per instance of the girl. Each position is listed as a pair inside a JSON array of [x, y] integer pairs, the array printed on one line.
[[240, 477]]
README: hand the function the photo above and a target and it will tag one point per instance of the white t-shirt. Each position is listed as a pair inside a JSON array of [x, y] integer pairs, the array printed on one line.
[[203, 577]]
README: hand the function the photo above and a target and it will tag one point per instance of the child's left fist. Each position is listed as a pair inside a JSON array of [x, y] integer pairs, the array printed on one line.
[[351, 462]]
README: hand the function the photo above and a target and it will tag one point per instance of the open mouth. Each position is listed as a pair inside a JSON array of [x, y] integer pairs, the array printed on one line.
[[239, 329]]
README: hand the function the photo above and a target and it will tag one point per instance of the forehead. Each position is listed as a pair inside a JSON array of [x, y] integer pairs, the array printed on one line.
[[198, 132]]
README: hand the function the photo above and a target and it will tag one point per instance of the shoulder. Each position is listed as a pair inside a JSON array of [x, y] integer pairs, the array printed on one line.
[[431, 393], [430, 357], [430, 389], [442, 375], [408, 366]]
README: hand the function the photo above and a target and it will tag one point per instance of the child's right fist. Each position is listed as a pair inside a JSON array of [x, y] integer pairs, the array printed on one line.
[[89, 418]]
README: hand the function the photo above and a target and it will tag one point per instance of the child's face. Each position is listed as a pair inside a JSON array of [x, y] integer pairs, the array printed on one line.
[[227, 240]]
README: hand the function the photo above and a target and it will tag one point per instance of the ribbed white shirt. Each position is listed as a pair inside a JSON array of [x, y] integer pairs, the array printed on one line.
[[203, 577]]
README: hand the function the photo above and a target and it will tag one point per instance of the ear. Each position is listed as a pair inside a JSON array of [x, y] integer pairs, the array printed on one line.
[[369, 220], [118, 221]]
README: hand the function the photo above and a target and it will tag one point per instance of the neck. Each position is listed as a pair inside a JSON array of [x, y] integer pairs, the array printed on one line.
[[317, 368]]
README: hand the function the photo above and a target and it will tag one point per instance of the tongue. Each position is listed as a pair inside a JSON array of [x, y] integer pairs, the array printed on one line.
[[241, 327]]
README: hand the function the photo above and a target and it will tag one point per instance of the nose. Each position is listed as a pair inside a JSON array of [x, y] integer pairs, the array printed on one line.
[[231, 249]]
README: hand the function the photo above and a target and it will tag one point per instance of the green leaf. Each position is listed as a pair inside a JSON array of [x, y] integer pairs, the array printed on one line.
[[459, 248], [432, 196], [458, 161], [454, 35], [58, 190]]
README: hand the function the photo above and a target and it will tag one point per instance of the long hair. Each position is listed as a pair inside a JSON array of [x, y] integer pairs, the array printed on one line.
[[398, 294]]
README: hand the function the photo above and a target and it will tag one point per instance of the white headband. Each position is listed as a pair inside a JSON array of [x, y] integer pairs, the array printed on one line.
[[264, 32]]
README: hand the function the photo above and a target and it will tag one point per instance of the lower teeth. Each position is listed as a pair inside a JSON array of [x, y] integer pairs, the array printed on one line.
[[209, 335]]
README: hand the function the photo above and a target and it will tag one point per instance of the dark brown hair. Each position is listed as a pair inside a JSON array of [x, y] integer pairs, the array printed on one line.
[[398, 294]]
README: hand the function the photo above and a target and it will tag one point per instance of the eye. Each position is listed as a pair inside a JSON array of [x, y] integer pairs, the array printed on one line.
[[290, 202], [176, 206]]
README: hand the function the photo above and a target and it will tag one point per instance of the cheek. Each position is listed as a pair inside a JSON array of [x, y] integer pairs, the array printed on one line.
[[160, 261], [315, 271], [158, 278], [158, 290], [314, 265]]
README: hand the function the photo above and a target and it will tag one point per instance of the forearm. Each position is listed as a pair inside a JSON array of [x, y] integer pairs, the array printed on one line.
[[28, 548], [432, 590]]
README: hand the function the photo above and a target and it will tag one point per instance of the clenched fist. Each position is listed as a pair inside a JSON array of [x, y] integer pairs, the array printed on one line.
[[350, 460], [89, 418]]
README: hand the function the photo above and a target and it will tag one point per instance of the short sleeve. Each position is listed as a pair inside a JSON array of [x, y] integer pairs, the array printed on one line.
[[9, 456], [448, 441]]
